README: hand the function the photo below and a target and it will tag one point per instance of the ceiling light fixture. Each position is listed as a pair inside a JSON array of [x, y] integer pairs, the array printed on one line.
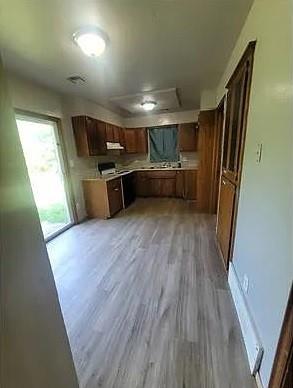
[[148, 105], [91, 40]]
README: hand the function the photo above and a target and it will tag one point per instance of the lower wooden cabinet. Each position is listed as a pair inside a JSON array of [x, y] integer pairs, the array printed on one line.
[[190, 184], [225, 218], [114, 191], [156, 183], [166, 183], [103, 198]]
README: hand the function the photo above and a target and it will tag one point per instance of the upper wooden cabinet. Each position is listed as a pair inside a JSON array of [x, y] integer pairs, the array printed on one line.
[[90, 136], [135, 140], [113, 133], [187, 137]]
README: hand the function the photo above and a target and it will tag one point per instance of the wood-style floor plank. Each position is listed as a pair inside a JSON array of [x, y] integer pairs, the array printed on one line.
[[146, 301]]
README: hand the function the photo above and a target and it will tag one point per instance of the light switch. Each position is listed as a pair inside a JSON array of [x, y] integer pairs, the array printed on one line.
[[259, 153], [71, 163]]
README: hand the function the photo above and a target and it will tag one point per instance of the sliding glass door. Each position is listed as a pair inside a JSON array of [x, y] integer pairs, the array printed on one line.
[[45, 163]]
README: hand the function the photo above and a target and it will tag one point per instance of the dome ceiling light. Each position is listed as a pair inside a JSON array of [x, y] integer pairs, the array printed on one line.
[[91, 40], [148, 105]]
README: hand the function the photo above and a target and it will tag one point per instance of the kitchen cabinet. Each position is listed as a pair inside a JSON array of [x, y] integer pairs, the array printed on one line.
[[166, 183], [190, 185], [113, 133], [103, 198], [141, 184], [90, 136], [157, 183], [114, 192], [180, 184], [135, 140], [187, 137], [225, 217]]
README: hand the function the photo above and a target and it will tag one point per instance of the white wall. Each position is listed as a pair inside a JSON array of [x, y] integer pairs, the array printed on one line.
[[34, 343], [162, 119], [263, 245], [208, 99]]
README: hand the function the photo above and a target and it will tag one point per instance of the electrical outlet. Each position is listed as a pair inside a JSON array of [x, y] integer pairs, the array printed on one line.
[[245, 284]]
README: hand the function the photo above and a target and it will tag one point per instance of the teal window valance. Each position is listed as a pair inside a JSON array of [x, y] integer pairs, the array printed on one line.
[[164, 144]]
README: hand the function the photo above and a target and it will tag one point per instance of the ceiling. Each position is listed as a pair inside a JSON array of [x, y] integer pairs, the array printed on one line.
[[154, 45]]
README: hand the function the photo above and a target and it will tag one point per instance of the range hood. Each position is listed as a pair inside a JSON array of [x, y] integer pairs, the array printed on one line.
[[114, 146]]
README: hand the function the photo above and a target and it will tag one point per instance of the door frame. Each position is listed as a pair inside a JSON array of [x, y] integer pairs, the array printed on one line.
[[68, 180], [247, 59], [284, 348], [218, 154]]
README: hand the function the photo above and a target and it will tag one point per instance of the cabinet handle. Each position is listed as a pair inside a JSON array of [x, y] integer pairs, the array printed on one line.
[[224, 182], [116, 189]]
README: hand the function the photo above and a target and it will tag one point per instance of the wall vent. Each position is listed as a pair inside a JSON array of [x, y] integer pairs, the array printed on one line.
[[76, 79]]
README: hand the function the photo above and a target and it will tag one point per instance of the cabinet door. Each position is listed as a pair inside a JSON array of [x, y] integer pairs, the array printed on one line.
[[225, 218], [190, 184], [109, 132], [130, 140], [188, 137], [141, 184], [93, 137], [141, 141], [116, 134], [179, 184], [135, 140], [114, 196], [168, 187], [101, 146]]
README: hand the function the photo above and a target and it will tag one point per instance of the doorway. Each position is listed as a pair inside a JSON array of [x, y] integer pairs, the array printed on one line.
[[40, 140]]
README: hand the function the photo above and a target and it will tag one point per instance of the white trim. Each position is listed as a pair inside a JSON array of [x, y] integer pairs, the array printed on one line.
[[258, 380], [252, 343]]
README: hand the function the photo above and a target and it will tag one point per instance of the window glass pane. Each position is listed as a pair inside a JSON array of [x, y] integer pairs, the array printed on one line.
[[235, 122]]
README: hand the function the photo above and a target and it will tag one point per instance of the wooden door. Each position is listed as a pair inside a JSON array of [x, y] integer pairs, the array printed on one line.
[[234, 124], [217, 155], [187, 137], [237, 104], [225, 218]]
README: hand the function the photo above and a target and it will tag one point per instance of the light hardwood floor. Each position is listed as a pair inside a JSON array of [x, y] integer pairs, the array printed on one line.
[[146, 301]]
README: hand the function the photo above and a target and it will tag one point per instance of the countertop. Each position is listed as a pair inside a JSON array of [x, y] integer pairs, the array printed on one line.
[[121, 173]]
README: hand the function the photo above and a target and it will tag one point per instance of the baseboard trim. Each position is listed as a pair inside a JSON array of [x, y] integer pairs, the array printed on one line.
[[258, 380], [252, 343]]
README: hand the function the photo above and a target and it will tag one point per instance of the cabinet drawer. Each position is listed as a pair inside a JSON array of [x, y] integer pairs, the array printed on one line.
[[161, 174]]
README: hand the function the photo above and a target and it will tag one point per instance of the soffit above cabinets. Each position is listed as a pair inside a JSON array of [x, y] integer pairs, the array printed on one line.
[[166, 100]]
